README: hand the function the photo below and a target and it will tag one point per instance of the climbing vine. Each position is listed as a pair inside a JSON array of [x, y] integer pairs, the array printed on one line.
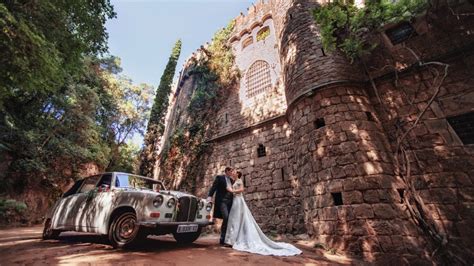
[[212, 73], [347, 27]]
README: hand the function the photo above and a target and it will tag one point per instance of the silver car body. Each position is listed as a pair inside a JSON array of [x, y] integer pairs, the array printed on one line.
[[92, 204]]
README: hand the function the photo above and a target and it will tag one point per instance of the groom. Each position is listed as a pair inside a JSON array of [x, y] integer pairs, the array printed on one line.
[[223, 199]]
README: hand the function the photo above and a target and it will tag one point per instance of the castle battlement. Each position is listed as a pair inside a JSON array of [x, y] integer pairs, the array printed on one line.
[[256, 14]]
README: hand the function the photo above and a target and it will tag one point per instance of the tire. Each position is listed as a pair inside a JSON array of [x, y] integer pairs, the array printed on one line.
[[124, 230], [48, 232], [187, 238]]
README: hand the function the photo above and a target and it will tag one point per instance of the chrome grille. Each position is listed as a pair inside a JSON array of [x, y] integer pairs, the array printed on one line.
[[187, 209]]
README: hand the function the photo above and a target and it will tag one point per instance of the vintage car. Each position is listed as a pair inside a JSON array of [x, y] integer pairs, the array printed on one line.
[[127, 208]]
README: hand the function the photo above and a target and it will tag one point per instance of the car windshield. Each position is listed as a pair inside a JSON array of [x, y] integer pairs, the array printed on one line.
[[133, 181]]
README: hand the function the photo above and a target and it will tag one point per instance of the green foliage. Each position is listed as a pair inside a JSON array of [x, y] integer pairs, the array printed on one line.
[[156, 124], [43, 43], [124, 112], [178, 137], [346, 27], [205, 92], [319, 246], [263, 34], [87, 120], [61, 106], [11, 205], [126, 160], [221, 59], [212, 72]]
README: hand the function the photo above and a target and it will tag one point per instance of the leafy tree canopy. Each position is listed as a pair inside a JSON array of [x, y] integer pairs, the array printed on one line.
[[89, 119], [43, 42]]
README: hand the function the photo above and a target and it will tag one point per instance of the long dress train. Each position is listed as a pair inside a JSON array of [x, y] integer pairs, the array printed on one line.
[[244, 234]]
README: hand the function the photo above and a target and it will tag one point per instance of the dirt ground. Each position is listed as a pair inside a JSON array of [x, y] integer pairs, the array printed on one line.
[[23, 246]]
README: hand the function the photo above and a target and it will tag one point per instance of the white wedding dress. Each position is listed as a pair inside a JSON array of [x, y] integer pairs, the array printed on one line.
[[244, 234]]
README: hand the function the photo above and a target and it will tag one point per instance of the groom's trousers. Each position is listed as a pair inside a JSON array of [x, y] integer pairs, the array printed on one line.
[[225, 210]]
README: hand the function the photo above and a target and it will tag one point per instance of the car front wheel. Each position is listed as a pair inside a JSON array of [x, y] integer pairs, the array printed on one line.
[[187, 238], [48, 231], [124, 230]]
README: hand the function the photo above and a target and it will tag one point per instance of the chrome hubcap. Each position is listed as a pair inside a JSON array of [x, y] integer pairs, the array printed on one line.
[[126, 228]]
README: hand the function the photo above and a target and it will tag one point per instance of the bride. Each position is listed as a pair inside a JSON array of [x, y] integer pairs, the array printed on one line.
[[244, 234]]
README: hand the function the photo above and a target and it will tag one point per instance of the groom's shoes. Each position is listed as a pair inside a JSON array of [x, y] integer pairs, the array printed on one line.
[[224, 245]]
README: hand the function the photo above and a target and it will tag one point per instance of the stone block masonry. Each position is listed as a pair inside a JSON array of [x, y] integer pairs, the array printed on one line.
[[317, 145]]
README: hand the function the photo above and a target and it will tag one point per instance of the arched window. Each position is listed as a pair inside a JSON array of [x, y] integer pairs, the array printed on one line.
[[247, 42], [263, 33], [258, 78]]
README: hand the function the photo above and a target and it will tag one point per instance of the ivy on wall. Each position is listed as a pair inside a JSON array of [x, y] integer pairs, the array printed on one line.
[[212, 73], [347, 27]]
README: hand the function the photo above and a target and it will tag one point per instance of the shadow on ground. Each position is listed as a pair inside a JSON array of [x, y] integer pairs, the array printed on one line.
[[24, 246]]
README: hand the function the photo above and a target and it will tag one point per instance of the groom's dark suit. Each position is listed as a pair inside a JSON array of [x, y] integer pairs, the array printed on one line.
[[223, 202]]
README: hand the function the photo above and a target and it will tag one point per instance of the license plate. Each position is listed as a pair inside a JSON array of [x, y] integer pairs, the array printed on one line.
[[187, 228]]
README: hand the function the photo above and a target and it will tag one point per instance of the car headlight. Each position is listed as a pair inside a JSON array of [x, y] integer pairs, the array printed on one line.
[[171, 202], [158, 201], [209, 206], [201, 204]]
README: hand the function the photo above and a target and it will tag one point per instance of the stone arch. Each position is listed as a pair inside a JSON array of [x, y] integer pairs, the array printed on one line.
[[263, 33], [257, 79], [246, 42]]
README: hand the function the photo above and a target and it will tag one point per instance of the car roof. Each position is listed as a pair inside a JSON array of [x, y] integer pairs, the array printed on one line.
[[144, 177], [140, 176]]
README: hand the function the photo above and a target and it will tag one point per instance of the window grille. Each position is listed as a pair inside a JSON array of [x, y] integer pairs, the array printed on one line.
[[258, 79]]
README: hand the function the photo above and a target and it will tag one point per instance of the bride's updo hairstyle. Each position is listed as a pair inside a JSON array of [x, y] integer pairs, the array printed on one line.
[[239, 174]]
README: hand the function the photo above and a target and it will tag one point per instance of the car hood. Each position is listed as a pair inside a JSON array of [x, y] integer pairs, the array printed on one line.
[[175, 193]]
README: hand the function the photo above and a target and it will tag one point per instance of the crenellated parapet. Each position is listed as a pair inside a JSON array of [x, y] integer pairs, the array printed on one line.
[[256, 15]]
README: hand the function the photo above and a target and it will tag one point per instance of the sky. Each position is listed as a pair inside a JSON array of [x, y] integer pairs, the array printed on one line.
[[145, 31]]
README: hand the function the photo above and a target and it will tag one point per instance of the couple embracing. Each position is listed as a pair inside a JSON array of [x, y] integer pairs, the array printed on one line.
[[239, 228]]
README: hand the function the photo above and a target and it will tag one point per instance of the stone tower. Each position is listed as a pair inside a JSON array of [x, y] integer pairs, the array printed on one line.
[[342, 158]]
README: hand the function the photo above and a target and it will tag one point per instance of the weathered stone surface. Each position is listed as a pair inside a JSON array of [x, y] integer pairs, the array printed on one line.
[[384, 211], [345, 213], [377, 227], [352, 197], [289, 189], [363, 211], [371, 196]]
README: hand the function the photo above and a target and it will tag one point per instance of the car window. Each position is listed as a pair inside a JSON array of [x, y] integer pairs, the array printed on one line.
[[129, 181], [105, 180], [89, 184], [122, 181], [74, 188]]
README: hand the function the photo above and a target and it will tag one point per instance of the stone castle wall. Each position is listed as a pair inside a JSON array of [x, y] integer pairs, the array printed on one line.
[[441, 163], [271, 190], [329, 138]]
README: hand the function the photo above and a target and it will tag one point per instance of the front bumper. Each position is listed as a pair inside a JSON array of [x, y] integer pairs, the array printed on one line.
[[173, 224]]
